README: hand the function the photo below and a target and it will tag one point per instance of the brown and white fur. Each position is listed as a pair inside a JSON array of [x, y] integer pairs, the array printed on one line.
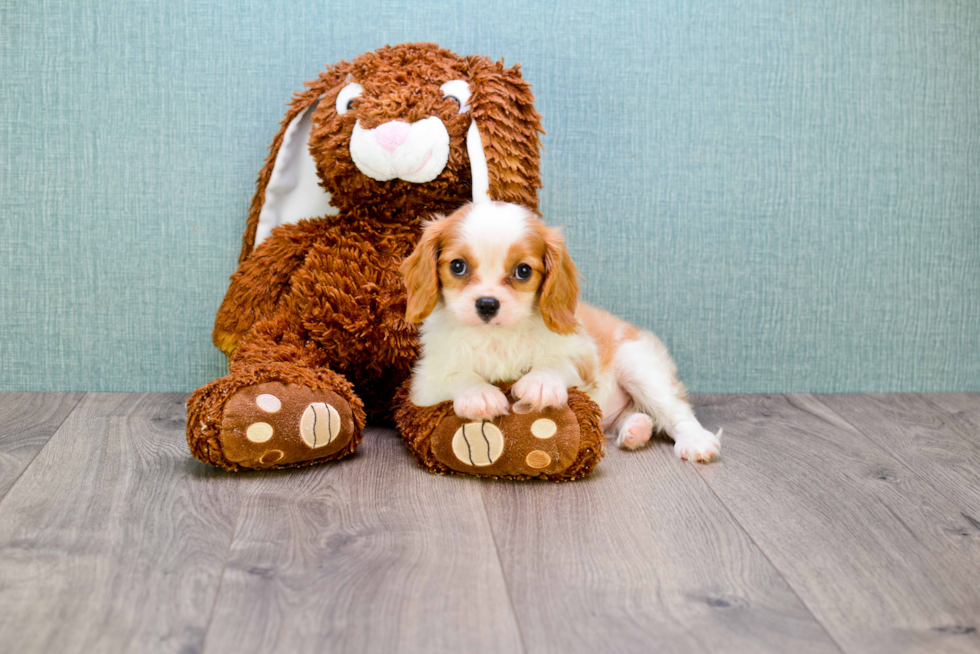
[[482, 323]]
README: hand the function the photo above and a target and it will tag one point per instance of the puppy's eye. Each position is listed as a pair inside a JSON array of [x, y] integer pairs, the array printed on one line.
[[522, 272], [457, 267], [350, 105]]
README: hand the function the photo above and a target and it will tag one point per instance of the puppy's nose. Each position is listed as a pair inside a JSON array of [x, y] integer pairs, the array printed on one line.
[[487, 307], [391, 134]]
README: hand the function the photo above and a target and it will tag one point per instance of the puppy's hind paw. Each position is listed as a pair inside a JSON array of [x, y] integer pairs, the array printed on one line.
[[698, 445], [635, 432]]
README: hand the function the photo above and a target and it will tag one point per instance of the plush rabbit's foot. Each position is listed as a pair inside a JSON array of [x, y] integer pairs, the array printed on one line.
[[275, 425], [555, 443]]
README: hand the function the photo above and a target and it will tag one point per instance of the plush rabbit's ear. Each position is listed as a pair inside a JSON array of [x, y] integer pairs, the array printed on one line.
[[294, 190], [288, 188], [506, 125]]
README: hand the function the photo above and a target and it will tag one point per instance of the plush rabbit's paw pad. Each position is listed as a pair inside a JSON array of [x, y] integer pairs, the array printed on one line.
[[273, 425], [635, 431], [524, 445]]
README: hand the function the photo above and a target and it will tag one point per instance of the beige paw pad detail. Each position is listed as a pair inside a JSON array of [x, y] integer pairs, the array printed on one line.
[[537, 459], [268, 403], [259, 432], [543, 428], [271, 457], [319, 425], [273, 425], [478, 443]]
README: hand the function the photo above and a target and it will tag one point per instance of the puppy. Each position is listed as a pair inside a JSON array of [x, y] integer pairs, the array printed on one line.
[[496, 293]]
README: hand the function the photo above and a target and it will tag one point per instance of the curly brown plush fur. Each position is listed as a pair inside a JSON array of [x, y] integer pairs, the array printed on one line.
[[320, 303]]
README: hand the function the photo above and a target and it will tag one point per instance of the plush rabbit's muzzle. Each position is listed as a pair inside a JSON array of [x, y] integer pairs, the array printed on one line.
[[394, 138], [415, 152]]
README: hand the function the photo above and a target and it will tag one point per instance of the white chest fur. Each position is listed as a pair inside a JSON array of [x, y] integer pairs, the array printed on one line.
[[454, 354]]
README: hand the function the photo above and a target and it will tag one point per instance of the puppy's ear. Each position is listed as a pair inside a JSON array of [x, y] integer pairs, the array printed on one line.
[[288, 188], [421, 272], [559, 291]]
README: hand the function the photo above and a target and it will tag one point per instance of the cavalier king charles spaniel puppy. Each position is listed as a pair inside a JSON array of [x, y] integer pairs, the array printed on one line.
[[497, 295]]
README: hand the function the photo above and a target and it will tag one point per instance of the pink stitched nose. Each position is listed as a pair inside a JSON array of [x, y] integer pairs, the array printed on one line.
[[391, 134]]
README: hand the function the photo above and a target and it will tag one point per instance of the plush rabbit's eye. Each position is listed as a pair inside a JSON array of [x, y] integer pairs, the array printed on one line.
[[459, 91], [345, 99], [522, 272], [457, 267]]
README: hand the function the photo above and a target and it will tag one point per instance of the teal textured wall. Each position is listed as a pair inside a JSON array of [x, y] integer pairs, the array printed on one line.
[[789, 196]]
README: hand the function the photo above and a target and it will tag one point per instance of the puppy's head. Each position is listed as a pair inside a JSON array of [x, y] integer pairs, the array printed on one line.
[[494, 264]]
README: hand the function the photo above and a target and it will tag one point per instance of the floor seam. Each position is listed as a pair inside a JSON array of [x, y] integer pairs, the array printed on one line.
[[224, 568], [503, 575], [897, 456], [857, 430], [774, 566], [41, 449], [961, 431], [768, 560]]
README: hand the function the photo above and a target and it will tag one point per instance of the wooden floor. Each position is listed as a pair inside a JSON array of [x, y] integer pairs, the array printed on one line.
[[845, 523]]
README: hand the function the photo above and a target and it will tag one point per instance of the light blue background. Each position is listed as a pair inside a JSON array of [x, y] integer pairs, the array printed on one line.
[[788, 195]]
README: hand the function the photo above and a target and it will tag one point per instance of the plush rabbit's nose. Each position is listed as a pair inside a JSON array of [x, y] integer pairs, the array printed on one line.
[[391, 134]]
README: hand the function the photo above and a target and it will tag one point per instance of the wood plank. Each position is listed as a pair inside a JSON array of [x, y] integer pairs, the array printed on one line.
[[956, 403], [27, 421], [870, 548], [929, 442], [641, 557], [963, 408], [114, 539], [368, 554]]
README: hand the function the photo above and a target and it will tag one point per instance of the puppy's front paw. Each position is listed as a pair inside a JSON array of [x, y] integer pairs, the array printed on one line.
[[539, 390], [484, 402], [695, 443]]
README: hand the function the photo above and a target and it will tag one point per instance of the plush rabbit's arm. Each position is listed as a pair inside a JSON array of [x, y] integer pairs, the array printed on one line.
[[261, 281], [288, 191]]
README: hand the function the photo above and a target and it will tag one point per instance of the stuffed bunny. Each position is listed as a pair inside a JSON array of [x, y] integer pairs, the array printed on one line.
[[314, 322]]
